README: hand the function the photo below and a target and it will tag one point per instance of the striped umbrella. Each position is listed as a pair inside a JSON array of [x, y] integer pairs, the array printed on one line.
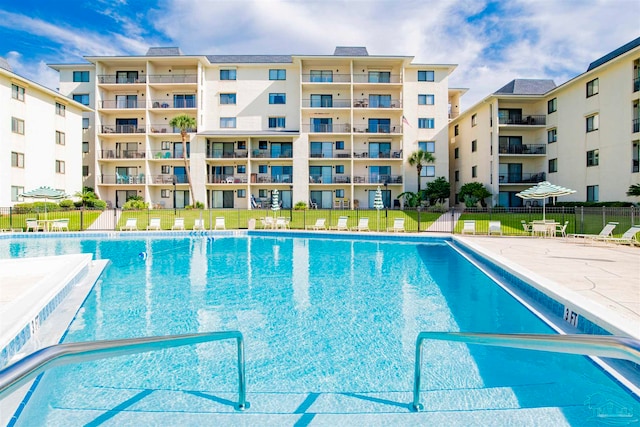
[[275, 204], [543, 190], [378, 204]]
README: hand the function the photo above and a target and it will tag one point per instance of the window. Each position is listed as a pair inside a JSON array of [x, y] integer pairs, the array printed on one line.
[[242, 168], [552, 136], [592, 123], [379, 77], [242, 145], [262, 145], [60, 138], [276, 122], [227, 74], [339, 145], [17, 160], [262, 169], [339, 168], [592, 87], [593, 158], [15, 193], [552, 105], [85, 123], [474, 171], [85, 170], [321, 101], [426, 99], [59, 166], [227, 98], [82, 98], [85, 146], [227, 122], [593, 193], [277, 98], [316, 76], [17, 92], [340, 193], [428, 146], [474, 120], [184, 100], [553, 165], [456, 153], [277, 74], [262, 193], [635, 157], [60, 109], [428, 171], [165, 194], [426, 76], [474, 145], [242, 193], [165, 145], [165, 169], [380, 101], [455, 130], [81, 76], [17, 125], [426, 123], [456, 175]]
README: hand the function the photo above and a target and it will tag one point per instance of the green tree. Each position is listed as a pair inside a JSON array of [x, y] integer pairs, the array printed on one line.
[[474, 192], [419, 159], [634, 190], [411, 200], [185, 123], [437, 191], [86, 196]]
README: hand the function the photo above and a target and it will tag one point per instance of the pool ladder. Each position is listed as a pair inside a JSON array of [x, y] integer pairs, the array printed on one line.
[[21, 372], [591, 345]]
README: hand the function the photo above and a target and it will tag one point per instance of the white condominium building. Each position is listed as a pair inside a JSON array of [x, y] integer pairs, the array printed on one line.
[[42, 134], [583, 134], [323, 129]]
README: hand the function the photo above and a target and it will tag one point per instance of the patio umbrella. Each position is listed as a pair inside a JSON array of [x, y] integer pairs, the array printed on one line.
[[543, 190], [377, 205], [275, 205], [45, 193]]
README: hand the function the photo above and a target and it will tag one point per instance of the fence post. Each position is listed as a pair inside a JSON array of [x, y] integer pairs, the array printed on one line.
[[10, 217], [453, 219], [82, 218], [632, 212], [115, 219], [418, 211]]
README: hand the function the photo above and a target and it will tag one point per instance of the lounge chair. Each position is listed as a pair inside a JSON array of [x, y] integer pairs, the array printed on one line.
[[34, 225], [281, 223], [319, 225], [268, 222], [363, 225], [628, 238], [154, 224], [198, 224], [219, 225], [607, 231], [526, 227], [254, 203], [469, 226], [539, 228], [562, 230], [398, 225], [178, 224], [495, 227], [130, 225], [313, 204], [341, 225], [60, 225]]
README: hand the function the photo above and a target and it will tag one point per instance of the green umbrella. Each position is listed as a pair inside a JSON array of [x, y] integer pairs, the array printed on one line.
[[45, 193], [275, 205], [543, 190], [378, 204]]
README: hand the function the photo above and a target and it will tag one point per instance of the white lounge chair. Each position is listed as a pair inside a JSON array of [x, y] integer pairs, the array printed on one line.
[[341, 225], [469, 226], [281, 223], [607, 231], [130, 225], [268, 222], [539, 228], [628, 238], [34, 225], [178, 224], [495, 227], [198, 224], [312, 204], [60, 225], [363, 225], [219, 225], [319, 225], [154, 224], [398, 225], [562, 230]]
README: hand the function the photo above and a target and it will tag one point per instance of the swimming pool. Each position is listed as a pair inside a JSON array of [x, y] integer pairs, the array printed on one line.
[[330, 328]]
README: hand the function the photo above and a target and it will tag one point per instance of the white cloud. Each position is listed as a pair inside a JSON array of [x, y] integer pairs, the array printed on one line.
[[38, 72]]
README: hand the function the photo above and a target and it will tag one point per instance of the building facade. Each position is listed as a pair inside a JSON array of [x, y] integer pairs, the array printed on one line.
[[326, 129], [583, 134], [42, 134]]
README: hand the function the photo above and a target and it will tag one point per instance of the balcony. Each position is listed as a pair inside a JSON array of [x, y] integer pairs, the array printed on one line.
[[392, 128], [161, 179], [364, 103], [378, 179], [221, 154], [121, 154], [275, 179], [113, 79], [377, 155], [335, 103], [636, 125], [331, 155], [327, 128], [522, 178], [122, 104], [336, 179], [121, 129], [176, 103], [122, 179], [366, 78], [165, 128], [164, 154], [335, 78], [535, 149], [524, 120], [267, 154], [173, 78], [227, 179]]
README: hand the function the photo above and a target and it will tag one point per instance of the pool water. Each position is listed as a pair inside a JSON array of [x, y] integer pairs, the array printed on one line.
[[319, 317]]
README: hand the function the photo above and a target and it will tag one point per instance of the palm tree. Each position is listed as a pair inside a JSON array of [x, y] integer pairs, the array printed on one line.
[[634, 190], [419, 159], [185, 123]]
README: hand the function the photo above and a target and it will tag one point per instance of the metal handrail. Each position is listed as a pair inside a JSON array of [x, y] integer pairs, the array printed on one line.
[[21, 372], [592, 345]]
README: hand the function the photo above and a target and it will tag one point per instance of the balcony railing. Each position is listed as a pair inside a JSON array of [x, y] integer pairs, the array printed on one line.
[[165, 128], [122, 129], [528, 120], [392, 128], [368, 78], [636, 125], [267, 154], [327, 128], [165, 154], [334, 103], [173, 78], [365, 103], [122, 104], [520, 178], [378, 179], [122, 179], [121, 154], [274, 179], [161, 179], [336, 179], [176, 103], [113, 79], [378, 155], [335, 78], [523, 149], [221, 154], [227, 179]]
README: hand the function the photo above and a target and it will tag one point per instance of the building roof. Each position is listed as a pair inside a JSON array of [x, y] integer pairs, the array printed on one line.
[[249, 59], [5, 64], [350, 51], [613, 54], [164, 51], [526, 87]]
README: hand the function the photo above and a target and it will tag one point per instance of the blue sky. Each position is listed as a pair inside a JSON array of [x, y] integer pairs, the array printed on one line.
[[492, 42]]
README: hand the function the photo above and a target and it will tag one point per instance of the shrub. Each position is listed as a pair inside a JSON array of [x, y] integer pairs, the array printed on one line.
[[67, 204], [300, 206], [100, 204], [134, 204]]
